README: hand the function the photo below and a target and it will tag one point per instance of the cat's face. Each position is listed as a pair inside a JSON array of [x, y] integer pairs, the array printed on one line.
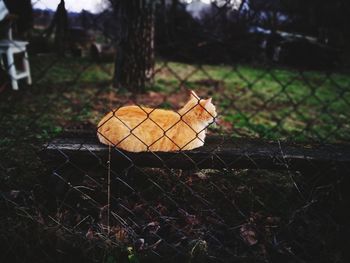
[[208, 111], [204, 109]]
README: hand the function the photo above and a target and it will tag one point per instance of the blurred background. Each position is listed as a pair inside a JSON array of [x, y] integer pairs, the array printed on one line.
[[277, 70]]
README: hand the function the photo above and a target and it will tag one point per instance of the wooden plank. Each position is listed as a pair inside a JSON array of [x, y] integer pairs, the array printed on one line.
[[218, 153]]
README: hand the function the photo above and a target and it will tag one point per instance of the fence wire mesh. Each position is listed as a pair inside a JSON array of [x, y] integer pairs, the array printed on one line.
[[268, 184]]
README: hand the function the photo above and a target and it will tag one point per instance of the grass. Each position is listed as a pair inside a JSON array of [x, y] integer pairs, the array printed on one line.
[[271, 103]]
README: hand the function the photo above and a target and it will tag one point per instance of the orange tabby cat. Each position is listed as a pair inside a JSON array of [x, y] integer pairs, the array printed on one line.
[[137, 129]]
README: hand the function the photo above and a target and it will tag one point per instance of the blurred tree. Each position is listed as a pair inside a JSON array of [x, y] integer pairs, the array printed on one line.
[[324, 19], [24, 11], [134, 61], [60, 24], [84, 19], [178, 33], [329, 20], [226, 25]]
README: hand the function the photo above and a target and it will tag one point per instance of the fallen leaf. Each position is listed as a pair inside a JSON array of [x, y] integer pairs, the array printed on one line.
[[248, 234], [90, 234]]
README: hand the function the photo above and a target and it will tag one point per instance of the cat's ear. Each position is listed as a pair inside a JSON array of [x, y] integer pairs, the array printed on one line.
[[206, 102], [194, 95]]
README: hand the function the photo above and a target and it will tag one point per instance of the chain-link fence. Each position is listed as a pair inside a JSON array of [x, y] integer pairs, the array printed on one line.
[[210, 133]]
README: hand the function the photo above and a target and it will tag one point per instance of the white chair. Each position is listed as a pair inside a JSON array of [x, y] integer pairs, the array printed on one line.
[[10, 47]]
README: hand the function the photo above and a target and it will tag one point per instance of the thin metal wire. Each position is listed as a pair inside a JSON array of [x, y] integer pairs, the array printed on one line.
[[175, 211]]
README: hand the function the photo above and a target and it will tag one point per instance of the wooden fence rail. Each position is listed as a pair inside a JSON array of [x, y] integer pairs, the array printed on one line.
[[219, 152]]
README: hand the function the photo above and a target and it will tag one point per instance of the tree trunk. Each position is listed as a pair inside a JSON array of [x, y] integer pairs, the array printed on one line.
[[59, 23], [134, 62], [24, 10]]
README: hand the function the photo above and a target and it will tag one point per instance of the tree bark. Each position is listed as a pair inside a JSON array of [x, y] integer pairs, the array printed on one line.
[[134, 61]]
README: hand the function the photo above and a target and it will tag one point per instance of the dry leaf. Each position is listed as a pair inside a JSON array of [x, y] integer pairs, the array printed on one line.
[[248, 234]]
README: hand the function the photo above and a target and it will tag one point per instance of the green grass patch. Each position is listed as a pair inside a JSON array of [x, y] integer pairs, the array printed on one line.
[[275, 103]]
